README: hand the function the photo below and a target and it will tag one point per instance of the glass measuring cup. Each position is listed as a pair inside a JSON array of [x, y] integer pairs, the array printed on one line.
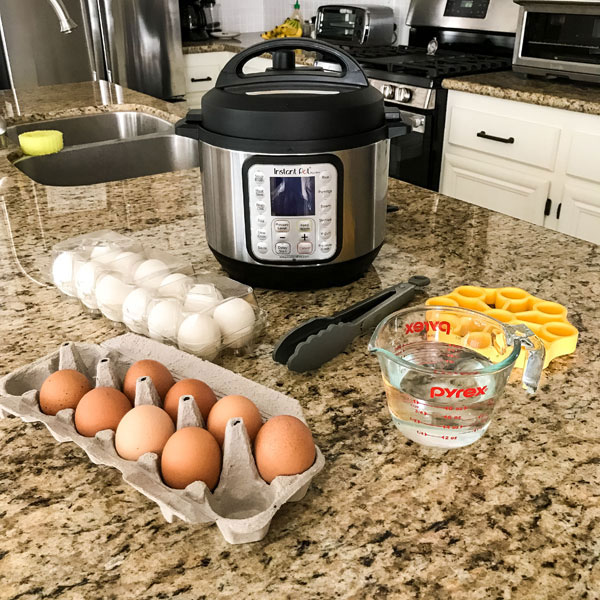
[[444, 367]]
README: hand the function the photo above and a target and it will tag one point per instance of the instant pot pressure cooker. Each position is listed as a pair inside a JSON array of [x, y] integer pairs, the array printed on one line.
[[294, 168]]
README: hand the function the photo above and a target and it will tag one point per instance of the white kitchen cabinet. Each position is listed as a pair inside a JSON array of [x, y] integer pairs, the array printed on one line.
[[520, 195], [536, 163], [202, 70], [579, 211]]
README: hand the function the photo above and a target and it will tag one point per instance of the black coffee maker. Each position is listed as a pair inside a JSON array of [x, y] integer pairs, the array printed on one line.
[[212, 15], [193, 21], [199, 18]]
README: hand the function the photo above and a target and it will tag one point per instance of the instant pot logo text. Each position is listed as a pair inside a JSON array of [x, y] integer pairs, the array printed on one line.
[[292, 171], [419, 326], [438, 392]]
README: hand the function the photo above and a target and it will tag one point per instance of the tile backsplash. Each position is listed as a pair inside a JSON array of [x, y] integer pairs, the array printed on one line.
[[260, 15], [242, 15]]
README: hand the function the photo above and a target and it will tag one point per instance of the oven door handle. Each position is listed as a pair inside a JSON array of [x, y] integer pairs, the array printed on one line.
[[494, 138], [396, 127]]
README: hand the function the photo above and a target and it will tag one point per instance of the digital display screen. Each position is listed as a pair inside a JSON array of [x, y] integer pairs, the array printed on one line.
[[292, 196], [466, 4]]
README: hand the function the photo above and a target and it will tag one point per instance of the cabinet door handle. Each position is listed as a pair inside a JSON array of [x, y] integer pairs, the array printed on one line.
[[558, 211], [196, 80], [483, 134], [548, 207]]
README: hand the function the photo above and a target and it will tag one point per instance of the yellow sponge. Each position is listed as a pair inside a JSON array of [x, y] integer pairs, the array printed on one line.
[[42, 141]]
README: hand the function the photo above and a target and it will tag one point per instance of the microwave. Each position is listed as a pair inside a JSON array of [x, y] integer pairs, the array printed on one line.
[[361, 25], [559, 38]]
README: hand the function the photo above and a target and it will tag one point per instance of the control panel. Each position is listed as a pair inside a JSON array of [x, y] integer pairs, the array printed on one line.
[[473, 9], [292, 211]]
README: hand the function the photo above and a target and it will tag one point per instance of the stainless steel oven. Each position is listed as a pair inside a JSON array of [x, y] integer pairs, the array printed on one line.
[[559, 38]]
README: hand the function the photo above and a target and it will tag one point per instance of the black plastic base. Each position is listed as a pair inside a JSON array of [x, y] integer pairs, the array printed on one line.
[[297, 278]]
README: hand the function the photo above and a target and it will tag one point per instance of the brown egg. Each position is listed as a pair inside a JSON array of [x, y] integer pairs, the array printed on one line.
[[101, 408], [203, 395], [284, 446], [158, 373], [230, 407], [191, 454], [145, 428], [63, 389]]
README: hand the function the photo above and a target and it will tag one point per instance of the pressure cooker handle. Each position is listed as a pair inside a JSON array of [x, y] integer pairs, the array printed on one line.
[[284, 67]]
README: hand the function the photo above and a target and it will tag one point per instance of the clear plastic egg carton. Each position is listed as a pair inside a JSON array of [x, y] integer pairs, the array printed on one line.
[[242, 505], [156, 294]]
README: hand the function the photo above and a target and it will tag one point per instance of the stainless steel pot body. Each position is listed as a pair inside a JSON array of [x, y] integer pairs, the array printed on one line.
[[363, 201]]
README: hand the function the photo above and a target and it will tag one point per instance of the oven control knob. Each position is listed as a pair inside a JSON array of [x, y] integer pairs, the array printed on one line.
[[387, 91], [403, 94]]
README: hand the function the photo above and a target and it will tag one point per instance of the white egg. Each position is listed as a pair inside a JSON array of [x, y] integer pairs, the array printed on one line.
[[150, 273], [107, 258], [101, 249], [236, 319], [163, 320], [63, 272], [126, 263], [202, 297], [134, 309], [200, 335], [111, 291], [85, 282], [175, 285]]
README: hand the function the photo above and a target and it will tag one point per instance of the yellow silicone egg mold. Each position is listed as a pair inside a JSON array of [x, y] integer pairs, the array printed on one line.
[[511, 305]]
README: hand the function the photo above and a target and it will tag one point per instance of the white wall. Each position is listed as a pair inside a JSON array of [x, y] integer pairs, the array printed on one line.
[[260, 15], [242, 15]]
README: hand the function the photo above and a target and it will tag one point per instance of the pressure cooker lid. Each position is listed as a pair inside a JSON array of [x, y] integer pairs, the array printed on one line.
[[290, 103]]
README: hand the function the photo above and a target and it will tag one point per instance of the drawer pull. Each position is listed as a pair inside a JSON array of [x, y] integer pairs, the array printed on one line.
[[483, 134], [198, 79], [558, 211]]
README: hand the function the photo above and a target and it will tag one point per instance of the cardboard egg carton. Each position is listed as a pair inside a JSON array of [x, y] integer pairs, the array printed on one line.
[[242, 505], [511, 305], [202, 313]]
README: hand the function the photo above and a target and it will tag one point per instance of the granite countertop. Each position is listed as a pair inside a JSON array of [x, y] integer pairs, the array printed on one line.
[[243, 41], [578, 97], [515, 515]]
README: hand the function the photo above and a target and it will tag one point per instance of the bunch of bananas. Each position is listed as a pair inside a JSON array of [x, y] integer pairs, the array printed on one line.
[[289, 28]]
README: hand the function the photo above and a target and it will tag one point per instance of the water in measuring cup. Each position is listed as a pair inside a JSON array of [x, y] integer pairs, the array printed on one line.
[[425, 406]]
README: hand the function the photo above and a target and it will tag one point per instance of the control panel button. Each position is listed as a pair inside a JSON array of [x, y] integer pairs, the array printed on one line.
[[325, 176], [325, 222], [283, 248], [261, 221], [262, 247], [325, 207], [305, 248], [325, 234], [305, 237], [261, 234], [282, 237], [259, 176], [259, 192], [282, 225], [261, 206], [305, 225], [325, 247], [326, 192]]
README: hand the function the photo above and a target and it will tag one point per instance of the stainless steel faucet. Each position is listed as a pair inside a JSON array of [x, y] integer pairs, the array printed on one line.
[[3, 139], [66, 23]]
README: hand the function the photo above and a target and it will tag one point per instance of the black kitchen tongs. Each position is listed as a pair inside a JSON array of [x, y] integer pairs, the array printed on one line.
[[318, 340]]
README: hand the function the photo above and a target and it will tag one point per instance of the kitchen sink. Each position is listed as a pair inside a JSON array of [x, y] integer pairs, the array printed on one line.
[[112, 160], [88, 129]]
